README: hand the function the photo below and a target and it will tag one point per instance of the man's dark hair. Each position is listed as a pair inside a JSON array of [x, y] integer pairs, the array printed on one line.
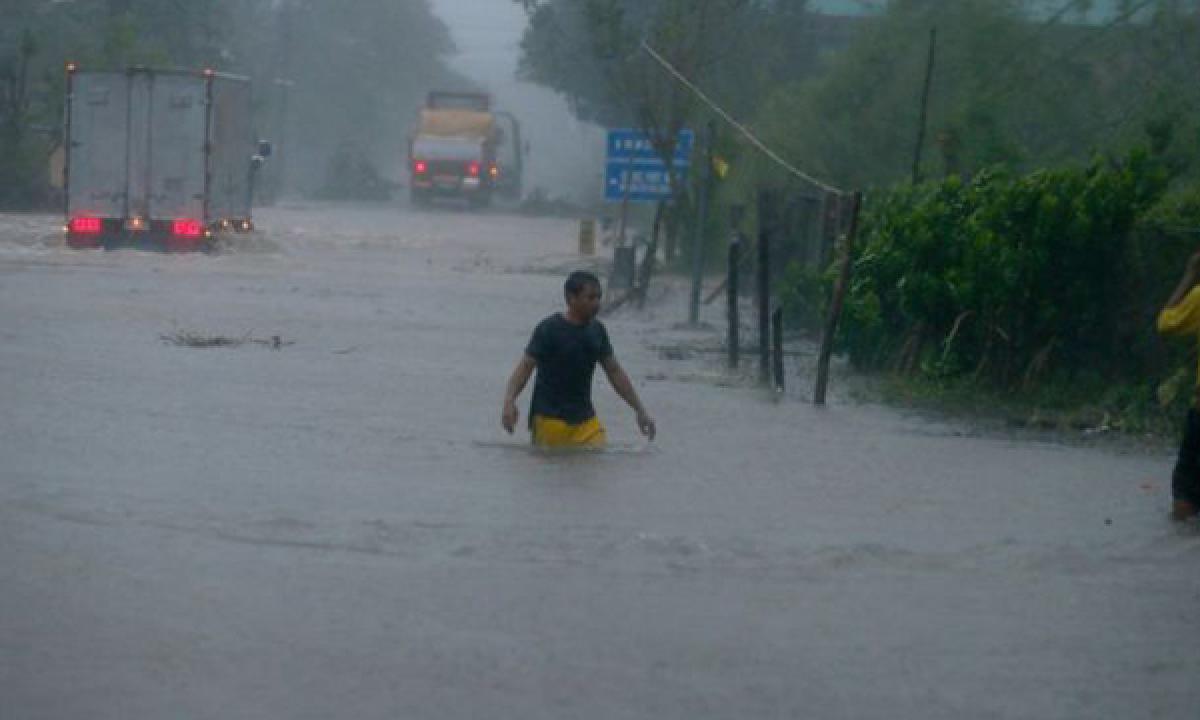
[[578, 280]]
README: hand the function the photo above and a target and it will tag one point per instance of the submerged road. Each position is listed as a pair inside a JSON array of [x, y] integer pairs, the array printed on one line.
[[335, 525]]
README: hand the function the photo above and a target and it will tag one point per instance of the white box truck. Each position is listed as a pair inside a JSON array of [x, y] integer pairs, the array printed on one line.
[[164, 158]]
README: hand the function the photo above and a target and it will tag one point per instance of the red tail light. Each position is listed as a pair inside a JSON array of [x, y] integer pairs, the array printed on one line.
[[473, 169], [187, 228], [419, 167], [86, 226]]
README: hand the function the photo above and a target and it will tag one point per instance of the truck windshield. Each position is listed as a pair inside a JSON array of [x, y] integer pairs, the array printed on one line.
[[446, 148]]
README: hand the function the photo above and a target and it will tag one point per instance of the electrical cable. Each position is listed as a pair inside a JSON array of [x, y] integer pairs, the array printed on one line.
[[737, 125]]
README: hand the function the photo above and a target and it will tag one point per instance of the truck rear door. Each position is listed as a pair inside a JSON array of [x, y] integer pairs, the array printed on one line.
[[176, 135], [232, 136], [98, 146]]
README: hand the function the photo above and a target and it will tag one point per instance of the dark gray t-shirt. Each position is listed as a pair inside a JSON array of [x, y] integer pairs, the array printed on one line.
[[566, 356]]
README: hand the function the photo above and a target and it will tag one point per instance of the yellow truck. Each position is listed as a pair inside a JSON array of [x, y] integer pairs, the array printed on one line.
[[456, 147]]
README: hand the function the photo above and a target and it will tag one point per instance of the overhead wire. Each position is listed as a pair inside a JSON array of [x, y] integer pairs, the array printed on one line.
[[733, 122]]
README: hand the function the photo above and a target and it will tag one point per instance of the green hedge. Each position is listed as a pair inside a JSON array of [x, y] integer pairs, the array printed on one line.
[[1015, 280]]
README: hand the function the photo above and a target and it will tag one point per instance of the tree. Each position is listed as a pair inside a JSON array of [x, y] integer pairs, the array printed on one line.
[[16, 156], [359, 78], [1009, 89], [359, 71], [592, 52]]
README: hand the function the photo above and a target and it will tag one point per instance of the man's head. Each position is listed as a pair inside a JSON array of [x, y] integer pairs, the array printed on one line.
[[583, 293]]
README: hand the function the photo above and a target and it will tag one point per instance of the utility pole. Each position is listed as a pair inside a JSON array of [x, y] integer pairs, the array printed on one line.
[[701, 218], [916, 167]]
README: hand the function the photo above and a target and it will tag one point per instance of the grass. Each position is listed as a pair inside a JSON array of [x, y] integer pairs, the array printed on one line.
[[1123, 411]]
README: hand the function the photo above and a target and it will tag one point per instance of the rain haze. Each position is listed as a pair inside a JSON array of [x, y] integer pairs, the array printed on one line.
[[569, 154], [870, 407]]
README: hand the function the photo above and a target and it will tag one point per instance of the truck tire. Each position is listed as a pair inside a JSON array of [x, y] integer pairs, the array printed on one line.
[[83, 242], [418, 198]]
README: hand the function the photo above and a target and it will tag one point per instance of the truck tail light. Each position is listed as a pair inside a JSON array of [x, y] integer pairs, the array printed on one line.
[[86, 226], [473, 169], [420, 167], [186, 228], [494, 172]]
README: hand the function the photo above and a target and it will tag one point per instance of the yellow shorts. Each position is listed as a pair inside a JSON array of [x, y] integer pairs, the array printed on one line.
[[550, 432]]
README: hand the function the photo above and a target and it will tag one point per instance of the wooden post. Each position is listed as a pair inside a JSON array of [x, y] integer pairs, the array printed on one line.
[[916, 168], [731, 287], [835, 307], [766, 218], [701, 221], [648, 258], [777, 347], [628, 177]]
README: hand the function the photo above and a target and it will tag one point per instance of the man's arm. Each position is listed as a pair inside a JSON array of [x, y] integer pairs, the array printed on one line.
[[1178, 316], [516, 383], [624, 387]]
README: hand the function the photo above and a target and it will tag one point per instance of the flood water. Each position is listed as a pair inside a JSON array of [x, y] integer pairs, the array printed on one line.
[[335, 524]]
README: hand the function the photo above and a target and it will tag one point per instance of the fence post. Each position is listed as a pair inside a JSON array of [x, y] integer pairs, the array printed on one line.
[[766, 217], [701, 221], [731, 293], [835, 307], [777, 347], [648, 257]]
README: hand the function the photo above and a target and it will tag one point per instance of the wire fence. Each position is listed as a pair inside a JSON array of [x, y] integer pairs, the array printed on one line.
[[797, 237]]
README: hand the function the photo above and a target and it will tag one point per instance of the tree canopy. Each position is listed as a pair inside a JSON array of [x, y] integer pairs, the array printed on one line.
[[1014, 83], [354, 74]]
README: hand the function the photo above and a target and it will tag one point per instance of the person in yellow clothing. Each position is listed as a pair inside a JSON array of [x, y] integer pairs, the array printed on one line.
[[1181, 316], [565, 349]]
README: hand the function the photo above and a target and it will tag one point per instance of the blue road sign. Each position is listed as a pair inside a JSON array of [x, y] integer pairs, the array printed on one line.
[[626, 144], [645, 183], [633, 168]]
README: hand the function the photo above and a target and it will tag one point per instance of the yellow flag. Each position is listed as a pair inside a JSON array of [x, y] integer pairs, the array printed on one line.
[[720, 167]]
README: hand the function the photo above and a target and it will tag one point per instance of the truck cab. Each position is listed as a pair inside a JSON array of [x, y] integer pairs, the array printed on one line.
[[453, 152], [451, 166]]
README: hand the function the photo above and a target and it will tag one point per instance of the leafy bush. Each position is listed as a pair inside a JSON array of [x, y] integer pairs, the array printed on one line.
[[1014, 280]]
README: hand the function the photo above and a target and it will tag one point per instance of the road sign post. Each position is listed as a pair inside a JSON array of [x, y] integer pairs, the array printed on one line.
[[701, 221]]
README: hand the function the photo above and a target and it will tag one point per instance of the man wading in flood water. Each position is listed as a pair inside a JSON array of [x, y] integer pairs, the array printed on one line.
[[564, 350]]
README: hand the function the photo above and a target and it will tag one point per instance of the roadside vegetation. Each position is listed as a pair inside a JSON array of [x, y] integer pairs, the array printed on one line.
[[1042, 286], [1024, 277], [1020, 229]]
